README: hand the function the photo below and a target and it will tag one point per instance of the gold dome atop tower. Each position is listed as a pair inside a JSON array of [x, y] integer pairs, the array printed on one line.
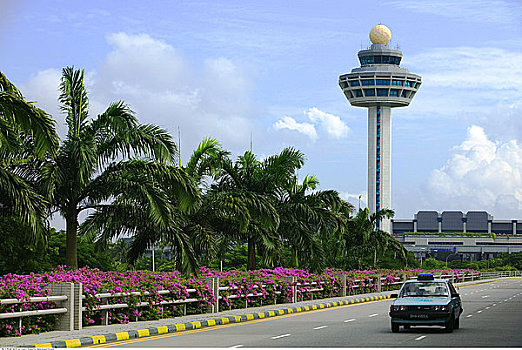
[[380, 34]]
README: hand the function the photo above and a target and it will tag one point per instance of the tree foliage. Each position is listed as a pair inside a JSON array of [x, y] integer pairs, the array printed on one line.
[[27, 136], [246, 212]]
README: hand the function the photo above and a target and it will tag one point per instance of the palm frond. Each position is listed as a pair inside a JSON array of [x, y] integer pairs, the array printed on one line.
[[73, 97]]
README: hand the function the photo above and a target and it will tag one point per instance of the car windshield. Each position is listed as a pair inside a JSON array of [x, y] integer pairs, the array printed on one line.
[[424, 288]]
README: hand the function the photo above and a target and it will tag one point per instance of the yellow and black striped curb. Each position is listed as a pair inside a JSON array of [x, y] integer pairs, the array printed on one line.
[[179, 327]]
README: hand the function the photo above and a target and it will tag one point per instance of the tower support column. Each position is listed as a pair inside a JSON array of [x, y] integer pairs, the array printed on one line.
[[379, 161]]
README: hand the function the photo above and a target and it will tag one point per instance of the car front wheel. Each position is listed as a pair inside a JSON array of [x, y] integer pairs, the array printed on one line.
[[394, 327]]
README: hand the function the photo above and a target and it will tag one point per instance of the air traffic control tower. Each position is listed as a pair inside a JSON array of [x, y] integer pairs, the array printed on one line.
[[379, 85]]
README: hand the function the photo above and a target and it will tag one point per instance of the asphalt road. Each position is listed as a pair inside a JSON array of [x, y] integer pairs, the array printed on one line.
[[492, 318]]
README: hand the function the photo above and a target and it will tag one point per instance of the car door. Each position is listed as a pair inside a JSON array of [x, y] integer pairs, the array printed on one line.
[[455, 300]]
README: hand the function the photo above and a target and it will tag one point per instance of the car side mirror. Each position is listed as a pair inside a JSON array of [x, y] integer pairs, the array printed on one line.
[[394, 295]]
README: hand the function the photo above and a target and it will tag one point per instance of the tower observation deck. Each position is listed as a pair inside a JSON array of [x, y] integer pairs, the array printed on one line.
[[379, 84]]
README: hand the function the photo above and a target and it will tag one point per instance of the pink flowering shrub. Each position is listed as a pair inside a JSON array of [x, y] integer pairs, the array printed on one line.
[[135, 288]]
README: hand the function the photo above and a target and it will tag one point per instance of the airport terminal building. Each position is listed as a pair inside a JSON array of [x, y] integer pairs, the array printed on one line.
[[436, 235]]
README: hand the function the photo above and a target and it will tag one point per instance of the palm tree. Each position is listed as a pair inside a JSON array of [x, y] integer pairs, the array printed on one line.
[[363, 239], [307, 217], [84, 174], [19, 116], [252, 184], [27, 136], [190, 233]]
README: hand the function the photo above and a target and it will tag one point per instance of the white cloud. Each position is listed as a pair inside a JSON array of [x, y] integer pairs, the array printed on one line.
[[291, 124], [355, 199], [489, 11], [163, 87], [42, 88], [470, 67], [333, 125], [471, 82], [480, 174]]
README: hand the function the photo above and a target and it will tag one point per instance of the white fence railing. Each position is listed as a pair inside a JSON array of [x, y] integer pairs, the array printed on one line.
[[67, 300]]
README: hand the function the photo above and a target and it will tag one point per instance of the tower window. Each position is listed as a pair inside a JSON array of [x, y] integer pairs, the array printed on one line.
[[358, 93], [404, 94], [367, 82], [382, 92], [394, 92], [355, 83], [395, 60], [408, 83], [397, 82], [369, 92], [383, 81]]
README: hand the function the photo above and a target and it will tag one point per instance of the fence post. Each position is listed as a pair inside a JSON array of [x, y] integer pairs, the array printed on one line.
[[343, 277], [292, 279], [105, 313], [78, 306], [215, 289], [294, 289], [65, 321]]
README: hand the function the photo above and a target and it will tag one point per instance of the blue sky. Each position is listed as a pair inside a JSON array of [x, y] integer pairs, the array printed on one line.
[[269, 70]]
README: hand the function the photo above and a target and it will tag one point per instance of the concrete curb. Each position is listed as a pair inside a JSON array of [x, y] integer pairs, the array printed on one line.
[[179, 327]]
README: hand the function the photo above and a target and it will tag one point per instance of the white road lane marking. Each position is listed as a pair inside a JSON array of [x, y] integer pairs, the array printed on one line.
[[421, 337], [320, 327], [494, 304], [236, 346], [281, 336], [485, 296], [350, 320], [469, 316], [373, 315], [487, 307], [479, 311]]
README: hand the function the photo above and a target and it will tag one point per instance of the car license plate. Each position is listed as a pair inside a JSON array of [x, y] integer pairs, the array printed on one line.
[[418, 316]]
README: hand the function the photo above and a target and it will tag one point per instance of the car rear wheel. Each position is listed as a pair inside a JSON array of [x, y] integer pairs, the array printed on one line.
[[407, 326], [394, 327], [456, 324]]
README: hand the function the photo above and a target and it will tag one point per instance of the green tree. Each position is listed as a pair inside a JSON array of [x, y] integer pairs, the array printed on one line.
[[307, 215], [364, 242], [251, 186], [18, 254], [27, 136], [85, 175], [188, 231]]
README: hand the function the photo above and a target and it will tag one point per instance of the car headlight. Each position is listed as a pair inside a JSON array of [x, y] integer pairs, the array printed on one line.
[[441, 308], [398, 308]]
